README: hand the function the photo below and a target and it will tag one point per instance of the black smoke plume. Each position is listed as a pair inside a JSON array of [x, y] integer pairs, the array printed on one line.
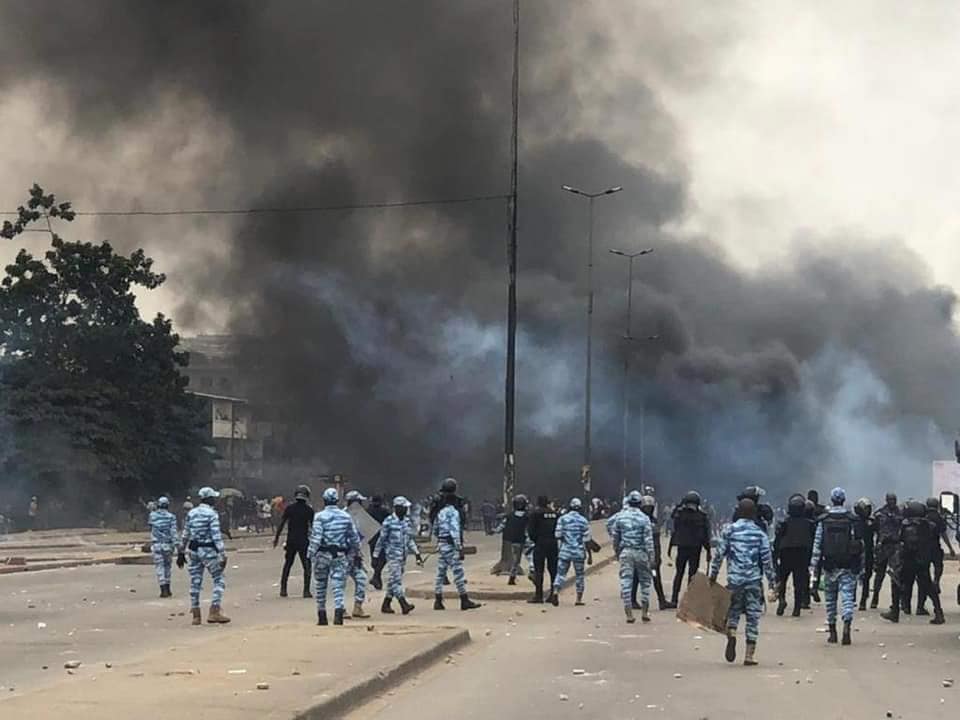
[[378, 335]]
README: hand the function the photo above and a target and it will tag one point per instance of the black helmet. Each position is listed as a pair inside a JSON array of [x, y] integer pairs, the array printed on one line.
[[863, 508], [449, 485], [933, 503], [692, 498], [891, 499], [648, 503], [520, 502], [795, 505], [914, 509], [751, 492], [302, 491]]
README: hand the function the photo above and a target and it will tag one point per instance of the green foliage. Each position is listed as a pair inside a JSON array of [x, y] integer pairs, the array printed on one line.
[[89, 391]]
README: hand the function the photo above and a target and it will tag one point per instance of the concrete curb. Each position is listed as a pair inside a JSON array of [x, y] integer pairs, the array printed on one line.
[[364, 690], [511, 594]]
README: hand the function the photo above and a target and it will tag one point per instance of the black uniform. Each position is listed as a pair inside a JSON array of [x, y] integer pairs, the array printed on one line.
[[792, 548], [866, 530], [911, 562], [886, 523], [540, 529], [515, 533], [691, 535], [298, 517], [935, 516]]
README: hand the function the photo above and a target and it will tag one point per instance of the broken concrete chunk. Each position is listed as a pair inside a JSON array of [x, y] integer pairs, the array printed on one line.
[[72, 664], [263, 686]]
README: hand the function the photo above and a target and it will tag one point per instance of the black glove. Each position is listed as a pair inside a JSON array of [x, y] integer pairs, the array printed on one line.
[[461, 554], [223, 562], [181, 560]]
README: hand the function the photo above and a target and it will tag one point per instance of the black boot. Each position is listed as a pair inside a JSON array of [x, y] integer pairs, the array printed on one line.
[[730, 653], [165, 591], [553, 599], [781, 607], [893, 614], [338, 616], [863, 603], [405, 607], [579, 601], [376, 582], [815, 594], [283, 590], [537, 598], [385, 607], [938, 618], [438, 602], [307, 593], [512, 581], [921, 610], [467, 604], [832, 636], [322, 617], [846, 634], [796, 610]]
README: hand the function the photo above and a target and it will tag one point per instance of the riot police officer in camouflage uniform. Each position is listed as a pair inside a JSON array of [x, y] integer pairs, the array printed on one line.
[[935, 516], [886, 521], [911, 561]]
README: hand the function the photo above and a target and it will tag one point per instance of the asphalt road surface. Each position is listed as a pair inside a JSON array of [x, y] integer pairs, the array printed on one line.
[[523, 659]]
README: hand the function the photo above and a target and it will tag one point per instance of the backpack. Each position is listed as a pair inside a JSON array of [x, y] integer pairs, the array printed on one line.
[[915, 540], [838, 544]]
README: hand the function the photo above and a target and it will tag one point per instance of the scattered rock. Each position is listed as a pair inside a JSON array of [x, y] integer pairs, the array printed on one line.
[[488, 632], [295, 673], [182, 671], [238, 671], [948, 682], [677, 676], [41, 625], [72, 664], [449, 660], [133, 590], [889, 714], [45, 668], [883, 657], [911, 644], [579, 671], [809, 681], [108, 665], [564, 698], [263, 686], [881, 644]]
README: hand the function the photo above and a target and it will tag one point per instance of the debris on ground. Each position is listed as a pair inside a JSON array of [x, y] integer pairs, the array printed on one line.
[[263, 686], [72, 664], [948, 682], [564, 698], [579, 671], [182, 671]]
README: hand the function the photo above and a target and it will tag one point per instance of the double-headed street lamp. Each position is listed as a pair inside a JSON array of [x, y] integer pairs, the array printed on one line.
[[626, 361], [585, 473]]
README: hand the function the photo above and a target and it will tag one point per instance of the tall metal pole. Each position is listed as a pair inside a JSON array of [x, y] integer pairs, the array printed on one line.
[[587, 410], [509, 459], [626, 383]]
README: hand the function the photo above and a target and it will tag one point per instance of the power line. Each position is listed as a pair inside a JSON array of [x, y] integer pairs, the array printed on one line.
[[284, 210]]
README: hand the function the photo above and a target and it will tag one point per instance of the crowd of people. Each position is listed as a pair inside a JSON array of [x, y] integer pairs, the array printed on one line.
[[813, 548]]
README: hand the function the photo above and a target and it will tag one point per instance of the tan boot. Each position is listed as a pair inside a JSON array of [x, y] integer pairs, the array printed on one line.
[[628, 611], [751, 649], [358, 610], [216, 617], [197, 619]]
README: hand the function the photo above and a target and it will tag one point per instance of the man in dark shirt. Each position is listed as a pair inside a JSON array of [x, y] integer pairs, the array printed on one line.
[[691, 534], [541, 530], [379, 512], [299, 518]]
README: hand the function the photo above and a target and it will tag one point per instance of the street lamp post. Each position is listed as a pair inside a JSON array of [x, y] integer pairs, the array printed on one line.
[[587, 400], [626, 360]]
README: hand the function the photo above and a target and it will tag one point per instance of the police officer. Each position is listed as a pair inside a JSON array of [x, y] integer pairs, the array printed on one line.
[[163, 537], [542, 530], [935, 516], [202, 538], [515, 533], [333, 539], [395, 542], [632, 535], [839, 553], [764, 512], [648, 505], [792, 549], [297, 518], [911, 561], [691, 535], [379, 512], [573, 534], [355, 568], [864, 512], [448, 529], [886, 521]]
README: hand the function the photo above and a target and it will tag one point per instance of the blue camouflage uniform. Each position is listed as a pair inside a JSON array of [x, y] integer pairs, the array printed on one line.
[[449, 546], [201, 537], [573, 532], [396, 541], [632, 534], [837, 581], [163, 538], [333, 540], [746, 549]]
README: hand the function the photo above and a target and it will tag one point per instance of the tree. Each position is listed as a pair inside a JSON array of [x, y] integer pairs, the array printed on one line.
[[91, 395]]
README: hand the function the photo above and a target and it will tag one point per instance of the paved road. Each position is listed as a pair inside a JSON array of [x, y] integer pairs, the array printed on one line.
[[525, 668], [525, 663]]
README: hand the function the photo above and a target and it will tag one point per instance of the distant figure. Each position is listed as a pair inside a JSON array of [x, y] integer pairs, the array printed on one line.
[[488, 512], [32, 512], [163, 537]]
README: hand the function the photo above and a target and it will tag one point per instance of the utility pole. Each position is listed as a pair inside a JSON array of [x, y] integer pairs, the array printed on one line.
[[585, 471], [509, 457], [626, 364]]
